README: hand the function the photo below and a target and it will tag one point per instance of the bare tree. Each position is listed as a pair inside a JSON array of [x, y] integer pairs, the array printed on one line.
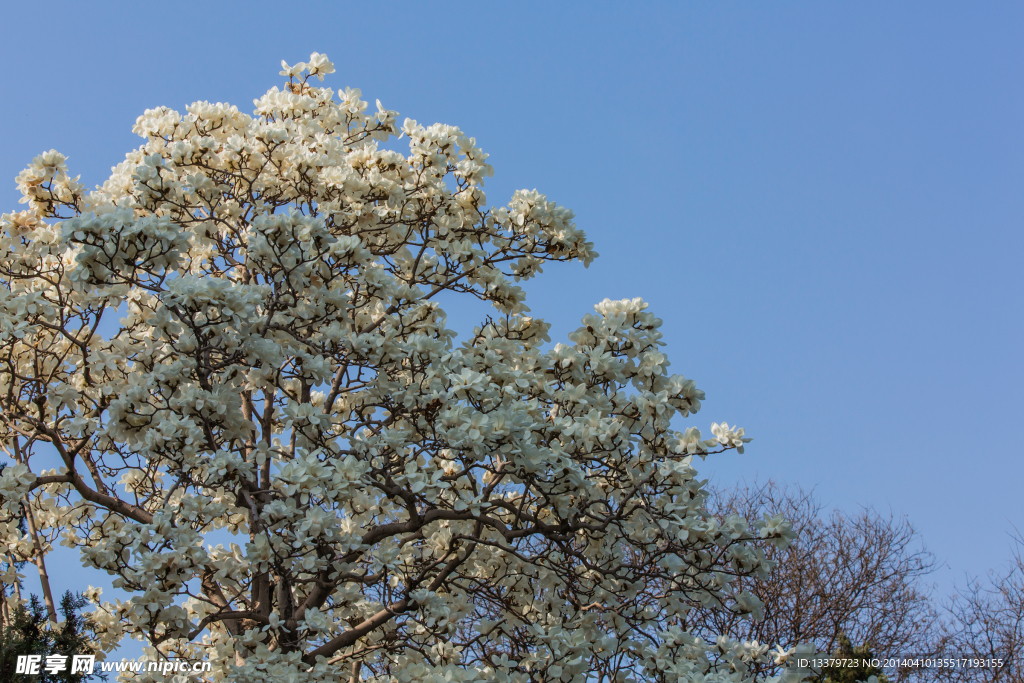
[[984, 625], [856, 575]]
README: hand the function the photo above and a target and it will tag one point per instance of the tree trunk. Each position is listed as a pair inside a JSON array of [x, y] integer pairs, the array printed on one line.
[[44, 578]]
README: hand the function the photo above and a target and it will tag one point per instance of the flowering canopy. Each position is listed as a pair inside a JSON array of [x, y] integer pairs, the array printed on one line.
[[283, 455]]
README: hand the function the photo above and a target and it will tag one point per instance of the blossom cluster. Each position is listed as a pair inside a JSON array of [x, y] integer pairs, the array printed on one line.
[[274, 443]]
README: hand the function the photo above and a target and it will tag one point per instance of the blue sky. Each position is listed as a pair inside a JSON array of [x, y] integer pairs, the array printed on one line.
[[822, 200]]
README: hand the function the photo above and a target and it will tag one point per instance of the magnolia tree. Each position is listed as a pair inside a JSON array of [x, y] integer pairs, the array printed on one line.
[[232, 361]]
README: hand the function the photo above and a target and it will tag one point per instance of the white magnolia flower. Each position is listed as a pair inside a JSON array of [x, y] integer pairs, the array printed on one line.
[[294, 468]]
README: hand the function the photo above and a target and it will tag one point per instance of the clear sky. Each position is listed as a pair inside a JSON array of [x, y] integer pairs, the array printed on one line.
[[823, 201]]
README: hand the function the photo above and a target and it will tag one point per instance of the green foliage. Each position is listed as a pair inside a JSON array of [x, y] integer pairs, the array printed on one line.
[[29, 634], [858, 673]]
